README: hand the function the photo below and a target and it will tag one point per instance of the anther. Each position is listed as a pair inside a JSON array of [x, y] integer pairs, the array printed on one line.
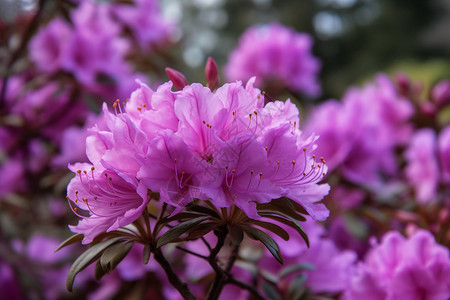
[[79, 171], [92, 168], [293, 162]]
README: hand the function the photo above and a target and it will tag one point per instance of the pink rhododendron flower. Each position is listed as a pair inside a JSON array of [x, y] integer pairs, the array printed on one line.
[[223, 146], [48, 46], [9, 282], [349, 129], [145, 21], [422, 170], [276, 53], [444, 154], [331, 266], [402, 269], [109, 201]]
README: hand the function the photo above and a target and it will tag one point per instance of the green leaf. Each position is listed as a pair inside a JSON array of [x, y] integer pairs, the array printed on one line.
[[295, 268], [87, 258], [189, 215], [203, 210], [99, 272], [71, 240], [297, 207], [264, 238], [146, 254], [114, 254], [201, 229], [271, 291], [176, 231], [273, 228], [297, 289], [236, 235], [290, 222], [285, 207]]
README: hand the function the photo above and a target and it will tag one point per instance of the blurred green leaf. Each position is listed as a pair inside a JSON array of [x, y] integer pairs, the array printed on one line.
[[295, 268]]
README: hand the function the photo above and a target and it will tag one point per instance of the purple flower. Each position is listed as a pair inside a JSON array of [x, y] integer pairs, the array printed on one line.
[[145, 21], [230, 148], [48, 46], [331, 266], [12, 172], [422, 170], [349, 128], [276, 55], [224, 146], [107, 200], [400, 268], [9, 283], [444, 154]]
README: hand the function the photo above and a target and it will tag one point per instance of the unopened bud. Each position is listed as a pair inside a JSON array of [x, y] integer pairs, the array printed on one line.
[[440, 94], [403, 83], [179, 80], [212, 74], [428, 108]]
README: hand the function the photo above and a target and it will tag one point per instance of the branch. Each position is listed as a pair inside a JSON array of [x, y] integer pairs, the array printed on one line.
[[172, 276], [16, 54], [220, 279], [255, 293]]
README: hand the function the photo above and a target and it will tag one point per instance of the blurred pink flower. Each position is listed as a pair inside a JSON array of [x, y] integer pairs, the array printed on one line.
[[145, 21], [422, 170], [331, 266], [276, 53], [402, 269], [359, 134], [444, 154]]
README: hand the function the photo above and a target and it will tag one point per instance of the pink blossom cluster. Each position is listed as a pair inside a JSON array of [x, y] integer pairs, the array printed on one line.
[[224, 146], [402, 268], [359, 134], [276, 55], [93, 48], [428, 157]]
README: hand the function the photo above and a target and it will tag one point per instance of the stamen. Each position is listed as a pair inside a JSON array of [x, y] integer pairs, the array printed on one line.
[[259, 182], [250, 181]]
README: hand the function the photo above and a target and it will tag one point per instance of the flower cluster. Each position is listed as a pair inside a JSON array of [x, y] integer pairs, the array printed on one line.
[[93, 47], [278, 56], [400, 268], [223, 146], [375, 112]]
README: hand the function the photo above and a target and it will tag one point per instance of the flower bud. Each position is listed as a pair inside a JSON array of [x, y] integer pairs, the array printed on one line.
[[440, 94], [212, 74], [403, 83], [428, 108], [178, 79]]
